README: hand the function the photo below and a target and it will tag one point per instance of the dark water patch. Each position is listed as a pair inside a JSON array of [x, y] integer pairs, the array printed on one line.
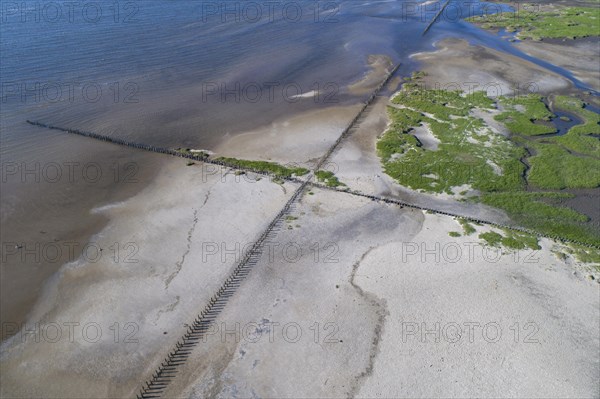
[[586, 202], [563, 122], [592, 107], [529, 152]]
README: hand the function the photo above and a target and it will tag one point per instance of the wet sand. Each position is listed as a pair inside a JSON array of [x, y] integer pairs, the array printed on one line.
[[300, 139], [47, 213], [37, 211], [579, 56], [458, 65], [184, 243], [379, 65], [305, 137]]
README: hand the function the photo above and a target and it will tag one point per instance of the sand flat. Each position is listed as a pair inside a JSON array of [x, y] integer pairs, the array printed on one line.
[[578, 56], [547, 341], [187, 244], [458, 65], [294, 140], [297, 290]]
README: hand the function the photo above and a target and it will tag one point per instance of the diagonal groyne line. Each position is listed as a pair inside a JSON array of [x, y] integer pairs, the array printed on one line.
[[434, 20], [157, 149], [356, 120], [167, 370], [344, 134]]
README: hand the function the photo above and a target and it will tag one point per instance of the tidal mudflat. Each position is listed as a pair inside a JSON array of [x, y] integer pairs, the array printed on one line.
[[433, 233]]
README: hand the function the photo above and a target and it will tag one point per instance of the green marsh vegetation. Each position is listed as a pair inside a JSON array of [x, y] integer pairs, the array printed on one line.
[[470, 154], [584, 254], [554, 165], [328, 178], [264, 166], [511, 240], [467, 228], [525, 115], [537, 22]]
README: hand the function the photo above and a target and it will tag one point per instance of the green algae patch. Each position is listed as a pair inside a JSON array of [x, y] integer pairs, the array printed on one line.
[[328, 178], [512, 240], [264, 166]]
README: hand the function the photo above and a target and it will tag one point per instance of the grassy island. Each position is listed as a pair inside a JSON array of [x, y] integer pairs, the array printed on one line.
[[264, 166], [545, 21]]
